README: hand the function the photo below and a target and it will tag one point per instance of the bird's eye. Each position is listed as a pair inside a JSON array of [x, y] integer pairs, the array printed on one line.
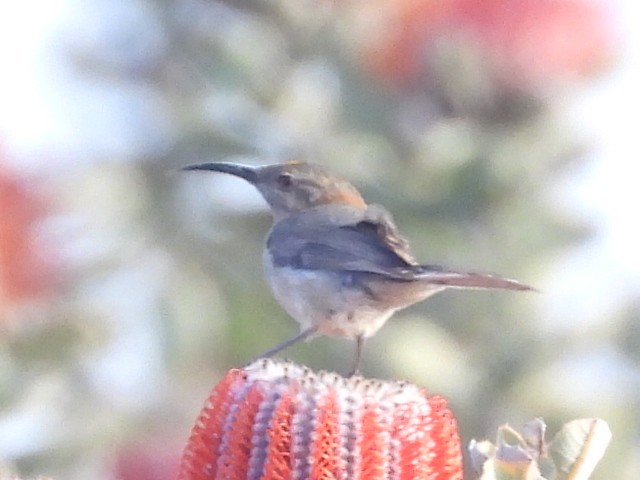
[[285, 180]]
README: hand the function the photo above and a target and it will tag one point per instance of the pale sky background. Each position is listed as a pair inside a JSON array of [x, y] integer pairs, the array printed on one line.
[[606, 191]]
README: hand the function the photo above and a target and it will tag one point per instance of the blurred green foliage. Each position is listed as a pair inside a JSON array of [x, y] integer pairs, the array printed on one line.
[[168, 265]]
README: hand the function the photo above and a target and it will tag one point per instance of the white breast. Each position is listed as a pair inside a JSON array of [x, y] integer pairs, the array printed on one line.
[[317, 298]]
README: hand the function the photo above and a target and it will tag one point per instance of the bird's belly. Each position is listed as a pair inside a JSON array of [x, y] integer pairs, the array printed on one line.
[[363, 321], [318, 298]]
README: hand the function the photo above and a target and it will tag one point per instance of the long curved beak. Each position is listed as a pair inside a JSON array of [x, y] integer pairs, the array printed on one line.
[[250, 174]]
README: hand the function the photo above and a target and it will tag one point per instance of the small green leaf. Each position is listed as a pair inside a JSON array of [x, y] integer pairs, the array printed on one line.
[[513, 463], [533, 434], [480, 452], [509, 436], [578, 447]]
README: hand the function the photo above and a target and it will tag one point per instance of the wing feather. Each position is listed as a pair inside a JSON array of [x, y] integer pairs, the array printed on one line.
[[350, 240], [364, 241]]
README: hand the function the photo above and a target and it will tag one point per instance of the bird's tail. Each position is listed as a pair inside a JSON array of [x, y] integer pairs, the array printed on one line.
[[434, 275]]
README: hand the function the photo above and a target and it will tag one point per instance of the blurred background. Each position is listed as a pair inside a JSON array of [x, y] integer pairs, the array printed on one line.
[[502, 134]]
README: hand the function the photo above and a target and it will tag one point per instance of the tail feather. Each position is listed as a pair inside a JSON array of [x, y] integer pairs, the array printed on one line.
[[438, 276]]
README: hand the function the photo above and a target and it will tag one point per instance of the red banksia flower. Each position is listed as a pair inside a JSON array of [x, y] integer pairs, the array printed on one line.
[[530, 42], [277, 420], [25, 267]]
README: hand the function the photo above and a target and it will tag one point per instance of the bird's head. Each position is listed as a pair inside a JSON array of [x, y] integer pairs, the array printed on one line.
[[291, 188]]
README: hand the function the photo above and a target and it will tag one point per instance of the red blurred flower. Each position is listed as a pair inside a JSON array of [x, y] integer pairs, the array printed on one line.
[[25, 265], [152, 460], [408, 27], [527, 42], [540, 40], [277, 420]]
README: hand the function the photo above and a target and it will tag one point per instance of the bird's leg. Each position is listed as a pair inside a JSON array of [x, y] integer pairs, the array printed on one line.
[[287, 343], [359, 348]]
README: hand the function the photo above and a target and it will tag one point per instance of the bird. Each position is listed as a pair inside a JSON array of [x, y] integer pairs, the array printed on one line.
[[337, 265]]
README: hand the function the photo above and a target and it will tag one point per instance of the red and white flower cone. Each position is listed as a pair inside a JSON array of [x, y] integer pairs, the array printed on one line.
[[278, 420]]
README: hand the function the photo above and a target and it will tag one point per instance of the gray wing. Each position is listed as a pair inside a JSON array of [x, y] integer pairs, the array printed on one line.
[[350, 240], [366, 242]]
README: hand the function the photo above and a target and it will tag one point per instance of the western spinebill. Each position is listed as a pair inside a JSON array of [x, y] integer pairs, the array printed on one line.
[[338, 266]]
